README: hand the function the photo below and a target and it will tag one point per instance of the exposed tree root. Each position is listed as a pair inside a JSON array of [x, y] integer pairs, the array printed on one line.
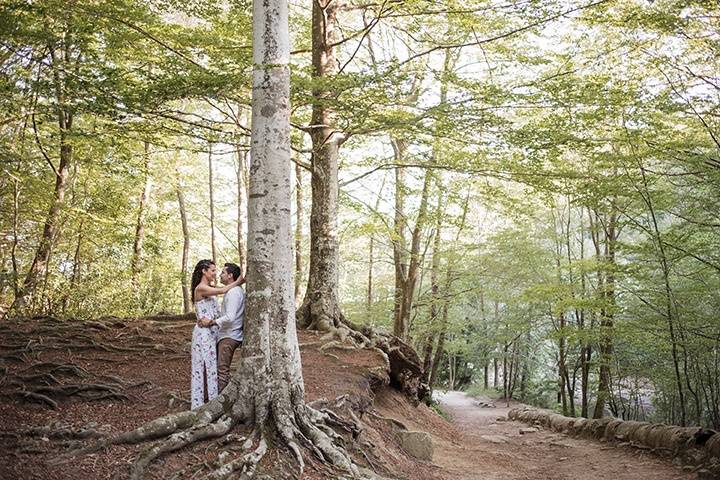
[[179, 440], [403, 363], [247, 464], [62, 431], [303, 425], [47, 333], [48, 382], [389, 420], [299, 427]]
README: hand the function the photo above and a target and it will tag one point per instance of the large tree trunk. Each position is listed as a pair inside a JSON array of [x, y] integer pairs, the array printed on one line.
[[187, 304], [321, 309], [140, 224], [267, 389]]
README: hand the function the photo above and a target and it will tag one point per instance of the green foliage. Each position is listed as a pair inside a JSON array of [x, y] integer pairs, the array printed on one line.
[[575, 176]]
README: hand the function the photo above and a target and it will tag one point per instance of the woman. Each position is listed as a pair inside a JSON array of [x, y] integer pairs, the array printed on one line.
[[204, 354]]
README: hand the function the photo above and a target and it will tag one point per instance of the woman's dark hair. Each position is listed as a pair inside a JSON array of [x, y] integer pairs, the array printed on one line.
[[234, 270], [201, 266]]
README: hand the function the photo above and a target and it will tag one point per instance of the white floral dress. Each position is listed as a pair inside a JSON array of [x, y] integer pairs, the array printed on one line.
[[204, 354]]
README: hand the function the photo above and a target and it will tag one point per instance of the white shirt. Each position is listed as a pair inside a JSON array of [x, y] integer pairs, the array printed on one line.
[[233, 315]]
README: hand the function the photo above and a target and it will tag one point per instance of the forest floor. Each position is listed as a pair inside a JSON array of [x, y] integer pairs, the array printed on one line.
[[492, 449], [111, 375]]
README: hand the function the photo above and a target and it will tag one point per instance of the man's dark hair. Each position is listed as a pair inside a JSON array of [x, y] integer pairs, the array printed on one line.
[[234, 270]]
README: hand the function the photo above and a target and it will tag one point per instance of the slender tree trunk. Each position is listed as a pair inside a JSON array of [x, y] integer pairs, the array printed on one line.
[[187, 304], [371, 266], [560, 321], [514, 369], [401, 328], [606, 321], [399, 225], [212, 203], [444, 319], [496, 373], [562, 368], [506, 375], [671, 308], [298, 234], [140, 224], [435, 290], [371, 252], [440, 349], [321, 308], [569, 384], [13, 248], [486, 352], [496, 365], [406, 276], [51, 228], [525, 375], [585, 345], [451, 370]]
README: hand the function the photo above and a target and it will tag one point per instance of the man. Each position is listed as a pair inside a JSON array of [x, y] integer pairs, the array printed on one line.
[[230, 323]]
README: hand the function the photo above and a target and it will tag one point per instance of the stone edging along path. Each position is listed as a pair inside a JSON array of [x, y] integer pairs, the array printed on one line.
[[691, 445]]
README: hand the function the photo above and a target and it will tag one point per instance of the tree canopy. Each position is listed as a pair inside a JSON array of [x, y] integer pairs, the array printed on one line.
[[530, 187]]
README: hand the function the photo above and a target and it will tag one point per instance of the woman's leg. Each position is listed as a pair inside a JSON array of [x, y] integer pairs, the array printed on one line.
[[197, 390], [211, 367]]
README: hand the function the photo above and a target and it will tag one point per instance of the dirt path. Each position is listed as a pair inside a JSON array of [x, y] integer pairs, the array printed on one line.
[[492, 449]]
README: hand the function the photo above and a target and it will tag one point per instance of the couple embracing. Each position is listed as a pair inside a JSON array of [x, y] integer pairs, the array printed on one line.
[[218, 332]]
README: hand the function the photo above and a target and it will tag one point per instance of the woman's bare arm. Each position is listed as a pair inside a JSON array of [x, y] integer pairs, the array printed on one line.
[[208, 291]]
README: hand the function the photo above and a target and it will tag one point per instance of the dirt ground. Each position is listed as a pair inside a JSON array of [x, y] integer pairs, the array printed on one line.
[[111, 375], [491, 449]]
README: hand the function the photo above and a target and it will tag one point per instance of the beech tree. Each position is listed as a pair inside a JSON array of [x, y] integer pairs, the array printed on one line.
[[267, 389], [320, 309]]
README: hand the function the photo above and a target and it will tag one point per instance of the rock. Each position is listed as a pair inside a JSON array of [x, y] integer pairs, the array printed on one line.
[[526, 430], [706, 474], [501, 419], [416, 444], [484, 404], [495, 438], [370, 475]]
